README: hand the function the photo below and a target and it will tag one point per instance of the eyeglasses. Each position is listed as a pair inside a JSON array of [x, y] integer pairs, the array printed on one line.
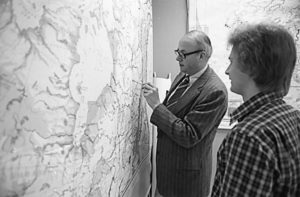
[[183, 55]]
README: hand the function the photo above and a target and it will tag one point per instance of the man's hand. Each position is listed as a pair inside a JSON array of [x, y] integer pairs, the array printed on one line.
[[151, 94]]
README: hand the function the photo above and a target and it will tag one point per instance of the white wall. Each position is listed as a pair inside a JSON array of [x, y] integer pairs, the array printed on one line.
[[169, 25]]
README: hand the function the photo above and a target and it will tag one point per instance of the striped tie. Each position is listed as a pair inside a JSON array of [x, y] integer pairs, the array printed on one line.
[[179, 91]]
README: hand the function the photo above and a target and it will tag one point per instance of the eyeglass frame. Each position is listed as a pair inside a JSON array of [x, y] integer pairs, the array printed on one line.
[[183, 55]]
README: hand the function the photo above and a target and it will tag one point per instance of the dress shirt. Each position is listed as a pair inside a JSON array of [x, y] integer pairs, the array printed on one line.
[[197, 75], [192, 79]]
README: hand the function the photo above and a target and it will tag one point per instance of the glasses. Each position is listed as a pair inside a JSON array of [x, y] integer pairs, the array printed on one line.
[[182, 55]]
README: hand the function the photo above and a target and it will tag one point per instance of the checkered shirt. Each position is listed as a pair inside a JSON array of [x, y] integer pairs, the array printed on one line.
[[261, 155]]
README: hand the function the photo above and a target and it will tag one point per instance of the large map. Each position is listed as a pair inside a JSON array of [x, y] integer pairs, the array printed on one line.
[[219, 17], [72, 118]]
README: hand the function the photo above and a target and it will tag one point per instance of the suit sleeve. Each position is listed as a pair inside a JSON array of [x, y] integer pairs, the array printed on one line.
[[196, 124]]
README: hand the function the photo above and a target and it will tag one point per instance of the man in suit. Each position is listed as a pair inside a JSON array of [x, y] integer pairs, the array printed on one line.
[[187, 120]]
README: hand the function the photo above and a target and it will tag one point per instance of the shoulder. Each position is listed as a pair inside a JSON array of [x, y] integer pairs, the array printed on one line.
[[275, 115], [214, 81], [269, 125], [243, 140]]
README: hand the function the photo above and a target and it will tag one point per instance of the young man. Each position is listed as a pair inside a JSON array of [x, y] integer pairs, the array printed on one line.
[[187, 120], [261, 155]]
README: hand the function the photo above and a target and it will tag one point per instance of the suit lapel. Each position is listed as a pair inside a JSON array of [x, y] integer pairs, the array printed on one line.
[[191, 93], [176, 81]]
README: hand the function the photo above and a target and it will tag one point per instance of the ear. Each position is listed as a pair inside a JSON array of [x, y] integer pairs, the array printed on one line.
[[202, 55]]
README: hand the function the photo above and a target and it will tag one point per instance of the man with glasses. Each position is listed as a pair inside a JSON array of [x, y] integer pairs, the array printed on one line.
[[187, 120]]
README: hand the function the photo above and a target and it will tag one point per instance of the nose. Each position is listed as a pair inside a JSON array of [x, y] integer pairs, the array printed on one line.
[[227, 70], [178, 58]]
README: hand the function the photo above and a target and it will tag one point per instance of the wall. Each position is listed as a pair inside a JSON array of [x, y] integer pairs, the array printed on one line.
[[169, 25], [72, 118]]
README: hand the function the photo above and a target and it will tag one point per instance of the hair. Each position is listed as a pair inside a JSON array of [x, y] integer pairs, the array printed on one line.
[[267, 53], [201, 40]]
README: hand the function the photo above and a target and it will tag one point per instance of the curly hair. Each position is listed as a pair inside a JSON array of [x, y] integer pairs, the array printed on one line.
[[267, 53]]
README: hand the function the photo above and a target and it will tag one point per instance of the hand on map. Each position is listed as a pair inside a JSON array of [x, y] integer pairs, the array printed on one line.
[[151, 94]]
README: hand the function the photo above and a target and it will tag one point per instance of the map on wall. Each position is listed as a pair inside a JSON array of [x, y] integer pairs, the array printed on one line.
[[73, 121], [219, 17]]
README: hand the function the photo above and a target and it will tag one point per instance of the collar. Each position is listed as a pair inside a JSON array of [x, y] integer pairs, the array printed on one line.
[[253, 104], [198, 74]]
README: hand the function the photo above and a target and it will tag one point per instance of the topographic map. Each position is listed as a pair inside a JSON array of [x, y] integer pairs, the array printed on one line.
[[72, 118], [219, 17]]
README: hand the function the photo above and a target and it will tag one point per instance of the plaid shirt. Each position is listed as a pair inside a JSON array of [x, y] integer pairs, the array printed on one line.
[[261, 155]]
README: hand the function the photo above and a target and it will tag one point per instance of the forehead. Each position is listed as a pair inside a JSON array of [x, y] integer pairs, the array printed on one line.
[[187, 44], [233, 53]]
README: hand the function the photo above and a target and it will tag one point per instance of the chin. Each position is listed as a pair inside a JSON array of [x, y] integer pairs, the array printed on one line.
[[232, 90], [235, 91], [182, 69]]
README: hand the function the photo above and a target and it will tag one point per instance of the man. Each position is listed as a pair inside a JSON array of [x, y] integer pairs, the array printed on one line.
[[187, 122], [261, 155]]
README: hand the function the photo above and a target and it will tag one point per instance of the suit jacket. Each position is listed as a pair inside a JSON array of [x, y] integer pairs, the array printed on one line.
[[186, 131]]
